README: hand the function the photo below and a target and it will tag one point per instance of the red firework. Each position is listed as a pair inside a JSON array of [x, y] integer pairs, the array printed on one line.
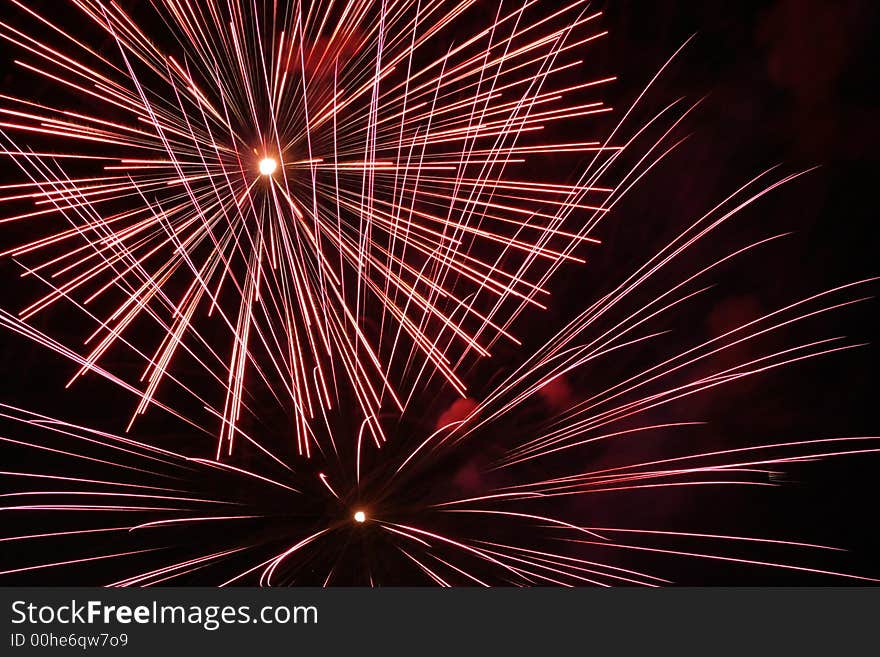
[[344, 203], [334, 209]]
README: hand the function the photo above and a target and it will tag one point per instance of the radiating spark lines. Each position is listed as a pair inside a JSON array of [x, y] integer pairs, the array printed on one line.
[[321, 217], [318, 183], [285, 524]]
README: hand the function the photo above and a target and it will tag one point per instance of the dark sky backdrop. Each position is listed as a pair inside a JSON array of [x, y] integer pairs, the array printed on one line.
[[788, 81]]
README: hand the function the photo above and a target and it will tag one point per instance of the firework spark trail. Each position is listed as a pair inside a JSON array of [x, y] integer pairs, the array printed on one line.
[[562, 353], [126, 456], [396, 196]]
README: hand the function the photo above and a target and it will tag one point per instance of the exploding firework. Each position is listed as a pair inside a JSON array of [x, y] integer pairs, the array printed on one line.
[[508, 490], [437, 506], [326, 212], [303, 201]]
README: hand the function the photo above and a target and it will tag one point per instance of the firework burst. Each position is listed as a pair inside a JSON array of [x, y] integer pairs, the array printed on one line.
[[328, 212], [507, 490], [301, 197]]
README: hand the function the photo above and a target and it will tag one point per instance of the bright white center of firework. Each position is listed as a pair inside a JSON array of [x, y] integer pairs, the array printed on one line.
[[360, 516], [268, 166]]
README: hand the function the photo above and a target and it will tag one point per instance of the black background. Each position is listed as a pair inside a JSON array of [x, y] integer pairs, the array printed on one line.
[[787, 81]]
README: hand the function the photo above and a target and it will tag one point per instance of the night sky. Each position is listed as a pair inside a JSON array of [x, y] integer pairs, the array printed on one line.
[[788, 82]]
